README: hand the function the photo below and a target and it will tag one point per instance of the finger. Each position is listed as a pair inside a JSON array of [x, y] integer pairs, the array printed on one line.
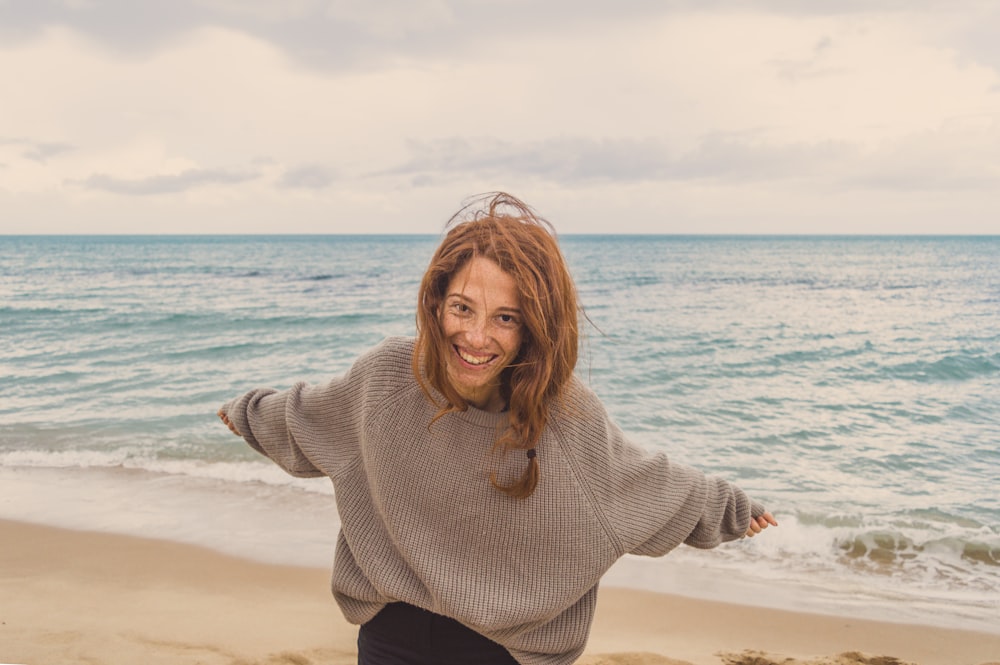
[[229, 423]]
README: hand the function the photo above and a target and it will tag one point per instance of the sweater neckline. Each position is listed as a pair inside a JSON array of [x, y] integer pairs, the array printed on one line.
[[474, 416], [480, 418]]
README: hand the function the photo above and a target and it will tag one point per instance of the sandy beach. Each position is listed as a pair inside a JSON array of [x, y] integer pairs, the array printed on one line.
[[79, 597]]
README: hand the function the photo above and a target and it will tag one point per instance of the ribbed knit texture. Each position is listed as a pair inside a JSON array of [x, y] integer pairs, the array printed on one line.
[[422, 524]]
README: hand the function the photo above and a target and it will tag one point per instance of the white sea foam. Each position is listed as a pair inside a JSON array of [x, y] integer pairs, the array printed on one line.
[[260, 471], [269, 523]]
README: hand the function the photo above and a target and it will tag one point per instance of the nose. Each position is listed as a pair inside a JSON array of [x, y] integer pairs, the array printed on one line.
[[478, 332]]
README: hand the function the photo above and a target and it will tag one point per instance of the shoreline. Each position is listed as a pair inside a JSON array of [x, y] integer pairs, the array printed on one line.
[[109, 599], [295, 524]]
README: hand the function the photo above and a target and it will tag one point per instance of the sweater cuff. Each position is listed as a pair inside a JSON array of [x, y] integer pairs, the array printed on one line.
[[756, 509], [236, 410]]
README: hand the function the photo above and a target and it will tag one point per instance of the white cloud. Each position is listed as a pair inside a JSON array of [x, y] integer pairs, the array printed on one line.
[[310, 176], [583, 161], [36, 151], [164, 184]]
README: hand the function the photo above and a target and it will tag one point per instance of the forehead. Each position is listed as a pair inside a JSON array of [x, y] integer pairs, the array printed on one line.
[[483, 278]]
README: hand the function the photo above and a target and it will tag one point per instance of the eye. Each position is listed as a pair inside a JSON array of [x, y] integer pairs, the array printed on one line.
[[508, 320]]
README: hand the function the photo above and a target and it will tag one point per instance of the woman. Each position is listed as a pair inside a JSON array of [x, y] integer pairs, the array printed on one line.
[[483, 491]]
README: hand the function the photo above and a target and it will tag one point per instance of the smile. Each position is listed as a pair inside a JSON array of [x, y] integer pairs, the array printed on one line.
[[474, 359]]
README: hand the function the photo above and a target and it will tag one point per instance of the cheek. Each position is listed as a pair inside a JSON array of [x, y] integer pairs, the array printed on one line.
[[512, 343], [447, 325]]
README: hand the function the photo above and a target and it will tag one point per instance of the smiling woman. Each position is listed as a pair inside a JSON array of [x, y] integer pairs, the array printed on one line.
[[436, 564], [498, 272]]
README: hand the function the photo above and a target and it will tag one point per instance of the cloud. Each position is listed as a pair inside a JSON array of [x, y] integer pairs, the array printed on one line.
[[562, 160], [575, 161], [38, 151], [978, 36], [961, 160], [117, 24], [813, 66], [943, 161], [165, 184], [322, 33], [311, 176], [338, 34]]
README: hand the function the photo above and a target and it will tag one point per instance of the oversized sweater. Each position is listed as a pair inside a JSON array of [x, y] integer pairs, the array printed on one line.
[[421, 523]]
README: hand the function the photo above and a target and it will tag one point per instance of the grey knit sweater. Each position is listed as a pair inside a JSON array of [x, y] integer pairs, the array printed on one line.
[[421, 523]]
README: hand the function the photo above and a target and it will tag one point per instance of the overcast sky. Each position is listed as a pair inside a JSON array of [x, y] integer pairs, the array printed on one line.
[[344, 116]]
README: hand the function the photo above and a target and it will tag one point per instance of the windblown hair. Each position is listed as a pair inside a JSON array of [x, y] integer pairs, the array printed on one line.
[[499, 227]]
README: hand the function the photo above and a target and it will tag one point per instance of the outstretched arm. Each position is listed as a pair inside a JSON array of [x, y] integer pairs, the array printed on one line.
[[281, 426]]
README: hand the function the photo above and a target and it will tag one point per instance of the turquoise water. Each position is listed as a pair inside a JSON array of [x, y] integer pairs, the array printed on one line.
[[849, 383]]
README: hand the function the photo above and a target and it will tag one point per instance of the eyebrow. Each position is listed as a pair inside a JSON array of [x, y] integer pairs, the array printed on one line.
[[464, 298]]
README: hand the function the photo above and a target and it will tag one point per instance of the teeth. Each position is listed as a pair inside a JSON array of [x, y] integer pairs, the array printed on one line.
[[474, 360]]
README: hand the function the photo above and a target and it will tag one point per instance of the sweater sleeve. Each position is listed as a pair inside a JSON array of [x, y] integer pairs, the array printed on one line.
[[649, 503], [267, 421], [311, 430]]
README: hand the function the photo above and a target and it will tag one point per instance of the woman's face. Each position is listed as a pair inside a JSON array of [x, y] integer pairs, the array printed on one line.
[[482, 324]]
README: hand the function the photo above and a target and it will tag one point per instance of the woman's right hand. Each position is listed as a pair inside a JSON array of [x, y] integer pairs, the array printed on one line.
[[232, 428], [760, 523]]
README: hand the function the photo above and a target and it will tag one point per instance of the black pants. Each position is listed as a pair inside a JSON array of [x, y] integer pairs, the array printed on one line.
[[402, 634]]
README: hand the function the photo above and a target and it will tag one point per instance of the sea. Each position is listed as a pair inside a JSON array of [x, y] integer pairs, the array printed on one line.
[[851, 384]]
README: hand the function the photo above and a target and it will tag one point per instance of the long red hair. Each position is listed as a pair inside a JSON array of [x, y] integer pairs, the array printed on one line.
[[507, 231]]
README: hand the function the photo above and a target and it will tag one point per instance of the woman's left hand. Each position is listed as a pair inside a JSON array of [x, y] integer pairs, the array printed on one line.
[[758, 524]]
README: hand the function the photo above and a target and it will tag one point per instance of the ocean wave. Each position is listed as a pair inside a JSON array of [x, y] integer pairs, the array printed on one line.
[[962, 565], [954, 367], [33, 310], [892, 550], [135, 459]]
